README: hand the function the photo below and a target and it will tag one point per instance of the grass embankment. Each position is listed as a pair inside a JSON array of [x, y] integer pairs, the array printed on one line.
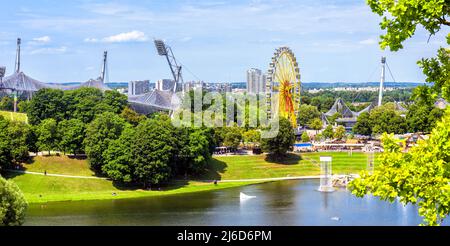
[[14, 116], [38, 188]]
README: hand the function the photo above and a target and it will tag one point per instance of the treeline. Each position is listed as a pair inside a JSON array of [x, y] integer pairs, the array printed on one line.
[[421, 116], [119, 143], [324, 100]]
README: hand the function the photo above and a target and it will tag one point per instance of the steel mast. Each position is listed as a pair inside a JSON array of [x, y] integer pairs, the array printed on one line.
[[105, 59], [164, 50], [17, 65], [383, 77]]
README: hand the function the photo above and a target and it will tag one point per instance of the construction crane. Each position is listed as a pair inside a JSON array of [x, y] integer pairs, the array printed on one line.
[[164, 50]]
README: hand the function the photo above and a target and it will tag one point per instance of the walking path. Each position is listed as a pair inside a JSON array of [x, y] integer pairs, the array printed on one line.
[[55, 175], [206, 181]]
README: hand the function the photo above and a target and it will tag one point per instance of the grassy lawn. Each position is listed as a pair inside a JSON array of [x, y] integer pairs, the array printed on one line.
[[39, 188], [14, 116], [59, 165]]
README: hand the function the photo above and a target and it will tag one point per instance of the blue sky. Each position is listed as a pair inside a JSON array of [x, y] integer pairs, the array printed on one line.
[[216, 40]]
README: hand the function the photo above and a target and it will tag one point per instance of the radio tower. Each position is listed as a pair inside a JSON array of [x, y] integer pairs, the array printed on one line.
[[383, 76]]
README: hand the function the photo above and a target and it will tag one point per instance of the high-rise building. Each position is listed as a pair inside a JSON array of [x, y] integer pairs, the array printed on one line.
[[256, 81], [138, 87], [165, 84]]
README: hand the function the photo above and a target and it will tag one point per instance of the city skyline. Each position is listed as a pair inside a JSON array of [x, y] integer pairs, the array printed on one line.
[[334, 41]]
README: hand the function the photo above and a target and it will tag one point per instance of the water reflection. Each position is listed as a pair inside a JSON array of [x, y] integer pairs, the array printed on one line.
[[277, 203]]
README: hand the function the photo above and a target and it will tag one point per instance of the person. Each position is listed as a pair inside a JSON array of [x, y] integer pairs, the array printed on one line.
[[45, 172], [215, 182]]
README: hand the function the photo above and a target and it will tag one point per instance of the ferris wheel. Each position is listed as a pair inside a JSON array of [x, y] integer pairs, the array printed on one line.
[[283, 81]]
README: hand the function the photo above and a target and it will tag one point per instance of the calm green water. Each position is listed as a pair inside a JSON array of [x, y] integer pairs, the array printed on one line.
[[277, 203]]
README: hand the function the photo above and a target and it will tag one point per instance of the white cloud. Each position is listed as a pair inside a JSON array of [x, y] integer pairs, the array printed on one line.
[[369, 41], [44, 39], [49, 51], [133, 36]]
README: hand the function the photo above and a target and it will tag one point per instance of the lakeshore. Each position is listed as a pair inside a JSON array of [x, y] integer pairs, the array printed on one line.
[[70, 179]]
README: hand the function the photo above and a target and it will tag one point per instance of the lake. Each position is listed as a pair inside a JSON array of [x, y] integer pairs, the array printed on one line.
[[294, 202]]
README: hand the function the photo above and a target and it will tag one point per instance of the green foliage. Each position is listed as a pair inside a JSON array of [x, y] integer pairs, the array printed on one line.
[[47, 104], [328, 132], [13, 142], [307, 113], [229, 136], [305, 137], [339, 133], [252, 136], [7, 103], [401, 18], [279, 145], [19, 134], [132, 116], [100, 132], [420, 176], [71, 134], [24, 106], [334, 117], [118, 157], [363, 125], [193, 151], [153, 151], [12, 204], [47, 135], [381, 119], [316, 124], [437, 71]]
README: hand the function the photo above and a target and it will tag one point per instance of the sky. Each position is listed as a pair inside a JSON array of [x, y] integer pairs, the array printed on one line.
[[215, 40]]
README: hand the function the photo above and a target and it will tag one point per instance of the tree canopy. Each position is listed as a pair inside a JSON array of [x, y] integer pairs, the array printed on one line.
[[12, 204]]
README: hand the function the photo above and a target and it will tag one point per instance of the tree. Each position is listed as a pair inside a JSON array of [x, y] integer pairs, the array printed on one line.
[[116, 100], [306, 113], [232, 136], [71, 134], [7, 103], [252, 136], [47, 133], [339, 133], [334, 117], [420, 176], [305, 137], [153, 151], [386, 119], [24, 106], [12, 204], [85, 103], [422, 114], [363, 125], [100, 132], [46, 104], [18, 135], [316, 124], [5, 147], [402, 18], [118, 157], [328, 132], [279, 145], [194, 153], [132, 116]]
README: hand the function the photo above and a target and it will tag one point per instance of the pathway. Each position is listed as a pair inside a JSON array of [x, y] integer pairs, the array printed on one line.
[[55, 175]]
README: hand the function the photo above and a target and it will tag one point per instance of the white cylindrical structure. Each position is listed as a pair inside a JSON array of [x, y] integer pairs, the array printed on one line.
[[383, 76], [326, 182]]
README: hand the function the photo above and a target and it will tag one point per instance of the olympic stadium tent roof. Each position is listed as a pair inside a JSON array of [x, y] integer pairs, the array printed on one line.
[[153, 101], [22, 82], [340, 107], [98, 83]]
